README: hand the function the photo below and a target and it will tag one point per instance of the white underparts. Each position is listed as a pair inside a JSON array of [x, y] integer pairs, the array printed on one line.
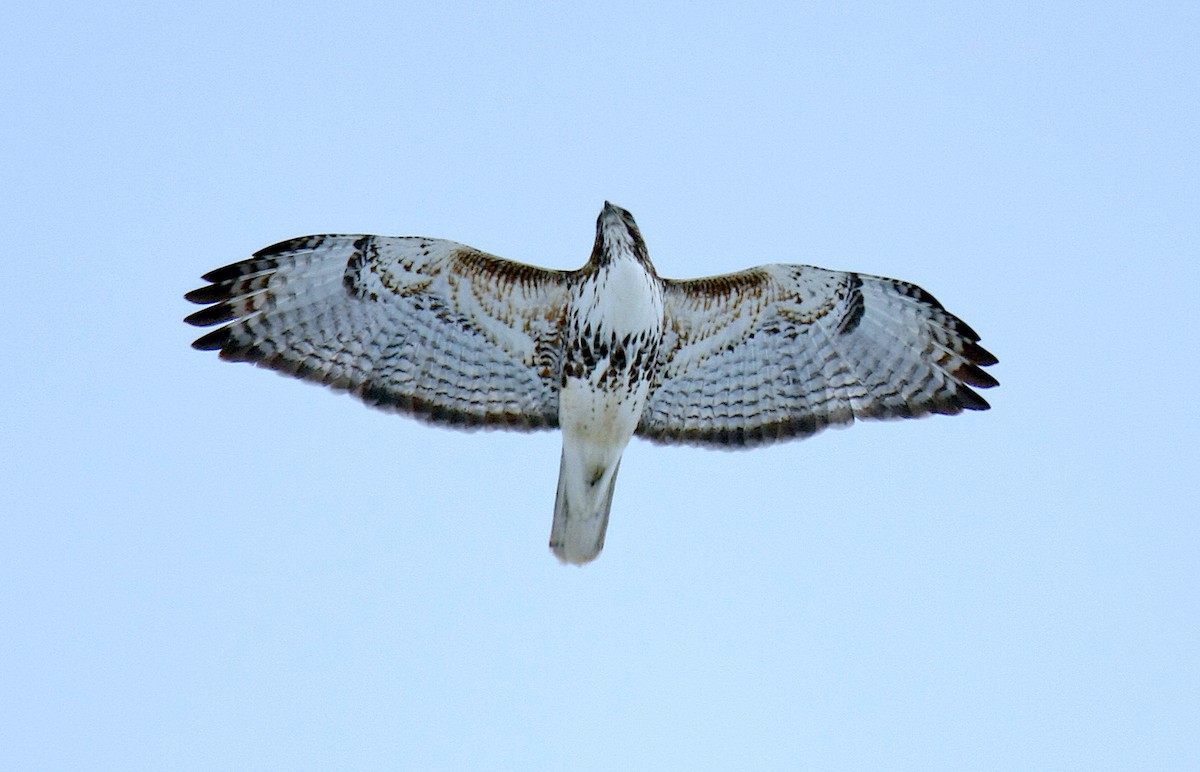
[[614, 312]]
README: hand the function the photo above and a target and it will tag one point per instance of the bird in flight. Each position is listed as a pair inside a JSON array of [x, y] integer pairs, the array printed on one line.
[[457, 337]]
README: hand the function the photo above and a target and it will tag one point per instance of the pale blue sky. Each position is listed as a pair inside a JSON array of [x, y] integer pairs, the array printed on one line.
[[207, 566]]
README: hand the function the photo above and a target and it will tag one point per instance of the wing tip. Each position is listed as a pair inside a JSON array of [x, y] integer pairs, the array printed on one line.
[[210, 293], [968, 399], [979, 355], [228, 272], [207, 317], [973, 375], [216, 340]]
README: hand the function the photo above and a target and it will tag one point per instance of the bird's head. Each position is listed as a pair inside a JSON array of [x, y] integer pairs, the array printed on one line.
[[617, 237]]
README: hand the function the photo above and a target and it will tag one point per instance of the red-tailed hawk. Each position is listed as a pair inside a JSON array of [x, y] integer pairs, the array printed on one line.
[[455, 336]]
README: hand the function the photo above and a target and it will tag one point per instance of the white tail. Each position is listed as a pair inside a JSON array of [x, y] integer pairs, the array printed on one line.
[[581, 518]]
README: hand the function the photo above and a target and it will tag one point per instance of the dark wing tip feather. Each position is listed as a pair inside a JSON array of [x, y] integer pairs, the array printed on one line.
[[969, 400], [973, 375], [228, 272], [963, 329], [206, 317], [946, 406], [212, 293], [213, 341], [979, 355]]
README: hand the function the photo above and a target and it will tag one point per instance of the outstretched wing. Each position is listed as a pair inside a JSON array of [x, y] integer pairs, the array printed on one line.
[[782, 351], [421, 326]]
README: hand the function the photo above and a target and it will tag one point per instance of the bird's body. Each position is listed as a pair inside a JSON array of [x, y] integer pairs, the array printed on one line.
[[613, 331], [455, 336]]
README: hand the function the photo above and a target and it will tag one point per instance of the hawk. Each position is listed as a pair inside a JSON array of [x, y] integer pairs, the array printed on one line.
[[457, 337]]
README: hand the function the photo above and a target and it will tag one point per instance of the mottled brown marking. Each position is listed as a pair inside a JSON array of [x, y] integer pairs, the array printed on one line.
[[855, 305], [472, 262], [352, 277], [710, 289]]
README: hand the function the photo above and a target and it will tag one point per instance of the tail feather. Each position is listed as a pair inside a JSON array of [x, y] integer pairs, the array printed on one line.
[[577, 535]]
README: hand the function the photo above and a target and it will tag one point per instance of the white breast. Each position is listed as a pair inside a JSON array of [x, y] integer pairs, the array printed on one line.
[[622, 298], [621, 302]]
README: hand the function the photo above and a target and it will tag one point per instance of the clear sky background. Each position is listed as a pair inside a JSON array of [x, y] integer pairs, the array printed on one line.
[[208, 566]]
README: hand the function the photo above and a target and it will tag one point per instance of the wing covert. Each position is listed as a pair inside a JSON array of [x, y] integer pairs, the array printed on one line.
[[422, 326], [783, 351]]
